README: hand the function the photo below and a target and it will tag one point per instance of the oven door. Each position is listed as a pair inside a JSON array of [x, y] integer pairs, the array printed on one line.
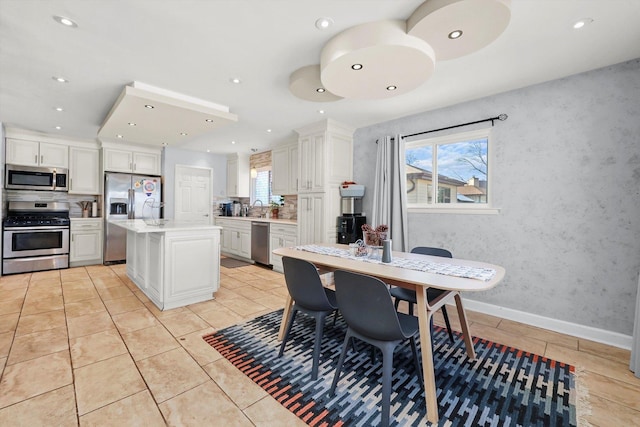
[[35, 241]]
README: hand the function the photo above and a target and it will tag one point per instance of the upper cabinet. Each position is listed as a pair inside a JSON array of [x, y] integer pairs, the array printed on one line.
[[34, 153], [238, 175], [131, 161], [84, 170], [325, 156], [284, 169]]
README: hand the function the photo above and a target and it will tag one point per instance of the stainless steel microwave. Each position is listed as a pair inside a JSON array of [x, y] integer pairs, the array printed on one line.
[[36, 178]]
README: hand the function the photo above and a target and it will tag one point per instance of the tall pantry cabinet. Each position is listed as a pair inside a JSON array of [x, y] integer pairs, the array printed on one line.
[[325, 160]]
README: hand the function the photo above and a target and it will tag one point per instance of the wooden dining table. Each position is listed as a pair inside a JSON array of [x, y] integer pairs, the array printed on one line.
[[418, 281]]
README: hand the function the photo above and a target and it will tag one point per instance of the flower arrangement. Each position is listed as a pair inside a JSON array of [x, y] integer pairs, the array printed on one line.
[[374, 236]]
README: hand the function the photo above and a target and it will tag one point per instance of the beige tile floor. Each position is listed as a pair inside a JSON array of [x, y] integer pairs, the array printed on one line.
[[84, 346]]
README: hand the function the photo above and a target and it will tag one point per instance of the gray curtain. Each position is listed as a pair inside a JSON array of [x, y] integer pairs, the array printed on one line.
[[635, 347], [390, 191]]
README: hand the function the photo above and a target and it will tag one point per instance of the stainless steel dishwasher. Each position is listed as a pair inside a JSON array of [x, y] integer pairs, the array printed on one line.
[[260, 242]]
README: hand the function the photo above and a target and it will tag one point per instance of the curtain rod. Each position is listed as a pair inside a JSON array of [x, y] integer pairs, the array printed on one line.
[[501, 117]]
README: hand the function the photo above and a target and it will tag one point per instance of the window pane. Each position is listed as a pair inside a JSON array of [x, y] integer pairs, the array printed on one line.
[[262, 186], [462, 172], [419, 174]]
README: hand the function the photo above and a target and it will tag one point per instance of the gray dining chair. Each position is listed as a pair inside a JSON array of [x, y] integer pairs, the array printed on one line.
[[402, 294], [367, 308], [309, 297]]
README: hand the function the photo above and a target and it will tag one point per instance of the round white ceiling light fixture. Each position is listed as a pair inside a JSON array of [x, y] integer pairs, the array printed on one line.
[[235, 80], [386, 54], [60, 79], [149, 107], [65, 21], [324, 23], [305, 84], [581, 23], [481, 21]]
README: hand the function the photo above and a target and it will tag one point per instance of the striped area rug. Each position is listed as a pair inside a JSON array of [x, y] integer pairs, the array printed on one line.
[[503, 386]]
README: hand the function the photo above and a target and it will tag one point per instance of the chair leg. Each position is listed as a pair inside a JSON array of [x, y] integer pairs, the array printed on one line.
[[446, 322], [387, 372], [416, 361], [286, 334], [410, 308], [397, 304], [336, 376], [317, 344]]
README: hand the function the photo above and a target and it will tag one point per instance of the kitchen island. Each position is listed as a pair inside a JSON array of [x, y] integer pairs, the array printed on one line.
[[173, 263]]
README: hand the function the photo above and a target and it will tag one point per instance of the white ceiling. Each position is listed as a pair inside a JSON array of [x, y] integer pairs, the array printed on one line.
[[194, 47]]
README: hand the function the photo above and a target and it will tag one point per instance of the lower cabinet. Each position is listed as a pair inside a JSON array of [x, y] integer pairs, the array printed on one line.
[[281, 236], [85, 247], [236, 237]]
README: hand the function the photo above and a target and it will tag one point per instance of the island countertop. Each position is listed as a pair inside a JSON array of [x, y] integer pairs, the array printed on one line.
[[139, 226]]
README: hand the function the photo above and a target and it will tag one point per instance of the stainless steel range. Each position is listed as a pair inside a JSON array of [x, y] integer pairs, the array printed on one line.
[[35, 237]]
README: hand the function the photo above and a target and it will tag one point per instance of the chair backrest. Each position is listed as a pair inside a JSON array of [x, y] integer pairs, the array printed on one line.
[[426, 250], [304, 284], [366, 305]]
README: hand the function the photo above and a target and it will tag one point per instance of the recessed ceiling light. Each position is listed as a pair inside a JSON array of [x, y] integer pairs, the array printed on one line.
[[131, 124], [356, 67], [208, 151], [60, 79], [320, 90], [65, 21], [392, 87], [235, 80], [324, 23], [233, 142], [183, 133], [321, 111], [59, 109], [58, 127], [119, 136], [208, 120], [269, 130], [456, 34], [581, 23], [149, 106]]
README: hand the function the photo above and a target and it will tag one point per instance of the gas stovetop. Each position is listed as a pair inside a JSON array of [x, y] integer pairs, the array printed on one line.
[[37, 214]]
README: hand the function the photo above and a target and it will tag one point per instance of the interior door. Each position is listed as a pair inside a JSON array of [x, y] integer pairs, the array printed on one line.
[[193, 194]]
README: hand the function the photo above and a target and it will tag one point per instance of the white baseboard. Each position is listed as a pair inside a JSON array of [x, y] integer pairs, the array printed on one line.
[[587, 332]]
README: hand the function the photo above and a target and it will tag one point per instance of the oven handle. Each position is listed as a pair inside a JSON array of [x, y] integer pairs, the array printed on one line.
[[43, 228]]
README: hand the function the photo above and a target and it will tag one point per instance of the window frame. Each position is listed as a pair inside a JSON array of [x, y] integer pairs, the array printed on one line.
[[458, 208]]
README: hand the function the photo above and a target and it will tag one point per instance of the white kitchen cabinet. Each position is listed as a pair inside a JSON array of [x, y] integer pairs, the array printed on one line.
[[236, 237], [314, 226], [325, 161], [34, 153], [281, 236], [131, 161], [238, 175], [84, 170], [85, 247], [284, 169]]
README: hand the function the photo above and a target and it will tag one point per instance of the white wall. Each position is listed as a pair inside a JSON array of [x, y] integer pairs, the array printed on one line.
[[175, 156], [567, 181]]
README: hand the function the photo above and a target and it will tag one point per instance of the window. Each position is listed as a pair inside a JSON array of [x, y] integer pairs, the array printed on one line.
[[449, 172], [261, 187]]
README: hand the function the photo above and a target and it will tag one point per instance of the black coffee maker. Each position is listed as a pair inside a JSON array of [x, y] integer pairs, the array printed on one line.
[[349, 228]]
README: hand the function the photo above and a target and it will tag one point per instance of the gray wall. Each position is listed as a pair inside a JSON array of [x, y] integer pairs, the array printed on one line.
[[567, 180], [174, 156]]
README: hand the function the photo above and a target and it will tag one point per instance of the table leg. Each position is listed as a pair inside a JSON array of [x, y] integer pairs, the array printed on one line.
[[285, 316], [428, 372], [468, 341]]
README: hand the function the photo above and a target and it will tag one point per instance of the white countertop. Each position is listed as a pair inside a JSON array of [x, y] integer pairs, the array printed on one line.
[[139, 226], [256, 219]]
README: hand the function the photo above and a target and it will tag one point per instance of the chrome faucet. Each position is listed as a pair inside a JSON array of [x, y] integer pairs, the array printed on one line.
[[261, 207]]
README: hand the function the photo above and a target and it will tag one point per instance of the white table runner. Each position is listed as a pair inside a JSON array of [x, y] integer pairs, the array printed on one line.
[[484, 274]]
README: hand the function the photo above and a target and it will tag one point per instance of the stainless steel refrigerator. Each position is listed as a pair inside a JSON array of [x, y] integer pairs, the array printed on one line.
[[127, 196]]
